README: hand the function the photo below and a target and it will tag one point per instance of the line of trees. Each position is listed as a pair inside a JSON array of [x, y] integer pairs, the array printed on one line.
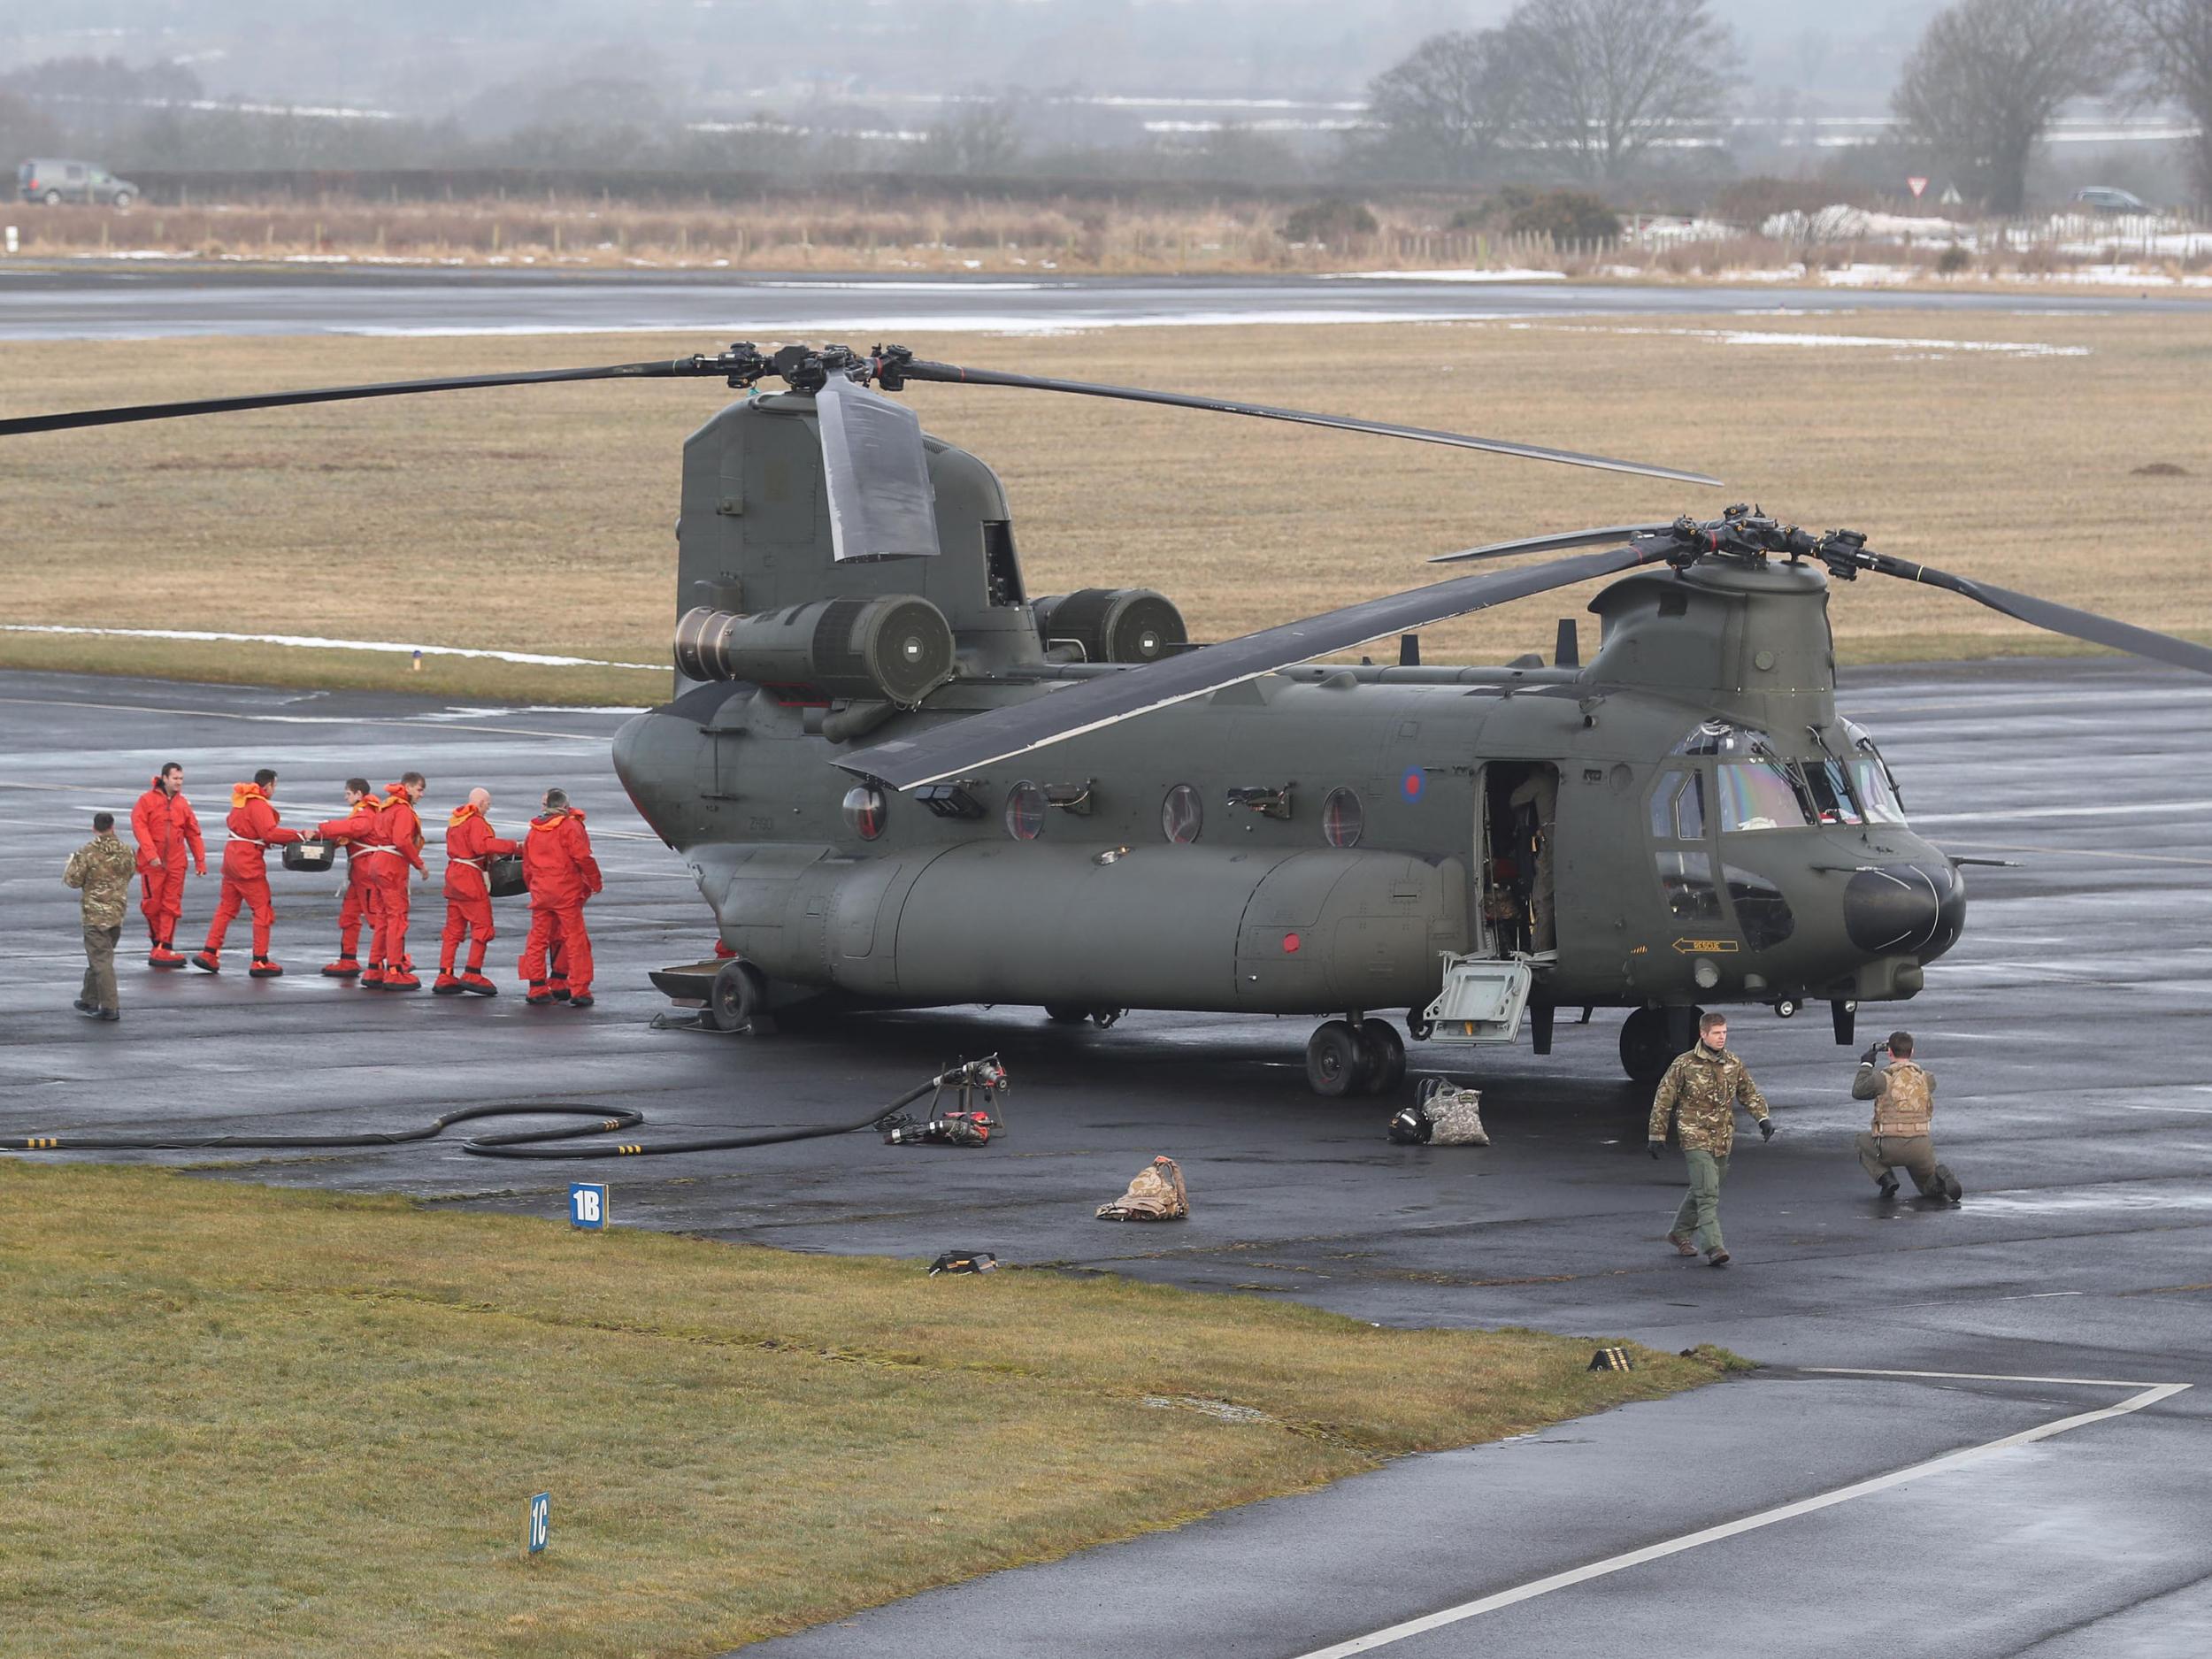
[[1601, 91]]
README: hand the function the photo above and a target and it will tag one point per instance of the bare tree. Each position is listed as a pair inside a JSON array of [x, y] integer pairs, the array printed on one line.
[[1447, 110], [2173, 49], [1983, 83], [1602, 81], [978, 140]]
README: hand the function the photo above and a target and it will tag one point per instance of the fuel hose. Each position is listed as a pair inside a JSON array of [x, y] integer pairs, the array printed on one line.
[[518, 1143]]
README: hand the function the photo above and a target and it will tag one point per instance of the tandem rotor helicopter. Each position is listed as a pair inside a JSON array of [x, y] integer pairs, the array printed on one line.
[[901, 779]]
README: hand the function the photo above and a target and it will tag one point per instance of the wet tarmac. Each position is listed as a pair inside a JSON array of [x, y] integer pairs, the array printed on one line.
[[119, 301], [2069, 1030]]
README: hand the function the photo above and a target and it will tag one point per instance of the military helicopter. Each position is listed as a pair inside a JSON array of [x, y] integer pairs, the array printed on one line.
[[902, 780]]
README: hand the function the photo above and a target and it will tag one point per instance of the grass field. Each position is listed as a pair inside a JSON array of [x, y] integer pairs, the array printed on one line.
[[244, 1421], [541, 520]]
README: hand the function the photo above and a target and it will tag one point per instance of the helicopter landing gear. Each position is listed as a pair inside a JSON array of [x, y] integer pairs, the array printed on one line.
[[1355, 1057], [1651, 1038], [1386, 1053], [738, 997], [1072, 1014]]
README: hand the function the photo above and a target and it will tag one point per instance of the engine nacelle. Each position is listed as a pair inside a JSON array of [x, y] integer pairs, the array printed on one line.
[[1112, 625], [897, 647]]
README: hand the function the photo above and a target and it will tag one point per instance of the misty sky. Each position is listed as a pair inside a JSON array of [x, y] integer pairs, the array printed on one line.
[[431, 58]]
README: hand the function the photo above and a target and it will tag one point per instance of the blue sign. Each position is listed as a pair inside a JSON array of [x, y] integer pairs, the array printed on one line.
[[586, 1205], [540, 1520]]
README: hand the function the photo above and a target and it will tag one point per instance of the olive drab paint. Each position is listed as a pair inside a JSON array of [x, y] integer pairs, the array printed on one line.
[[942, 904]]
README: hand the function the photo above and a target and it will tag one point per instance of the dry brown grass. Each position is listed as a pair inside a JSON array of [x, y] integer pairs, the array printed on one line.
[[540, 519], [241, 1421]]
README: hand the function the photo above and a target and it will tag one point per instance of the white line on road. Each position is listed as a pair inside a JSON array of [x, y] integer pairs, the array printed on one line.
[[2149, 1396]]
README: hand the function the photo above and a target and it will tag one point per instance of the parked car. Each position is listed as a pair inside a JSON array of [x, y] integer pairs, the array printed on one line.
[[2105, 198], [54, 183]]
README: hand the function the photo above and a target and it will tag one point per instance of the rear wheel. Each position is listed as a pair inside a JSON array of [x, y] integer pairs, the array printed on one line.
[[1332, 1059], [1066, 1013], [740, 992], [1649, 1043], [52, 198], [124, 198], [1385, 1055]]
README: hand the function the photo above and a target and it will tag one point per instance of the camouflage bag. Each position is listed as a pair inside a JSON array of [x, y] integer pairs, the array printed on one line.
[[1156, 1194], [1447, 1116]]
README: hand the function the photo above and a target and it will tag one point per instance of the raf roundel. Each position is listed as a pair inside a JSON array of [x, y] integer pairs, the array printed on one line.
[[1411, 785]]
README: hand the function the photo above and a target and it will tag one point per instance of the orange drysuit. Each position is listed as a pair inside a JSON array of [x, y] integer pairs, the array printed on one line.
[[470, 848], [166, 829], [561, 873], [396, 847], [253, 830], [357, 827]]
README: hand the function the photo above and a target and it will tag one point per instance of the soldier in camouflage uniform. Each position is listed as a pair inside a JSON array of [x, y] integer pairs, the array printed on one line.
[[102, 869], [1699, 1094], [1903, 1093]]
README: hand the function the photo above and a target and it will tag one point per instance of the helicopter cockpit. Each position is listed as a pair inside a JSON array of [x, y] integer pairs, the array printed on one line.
[[1755, 787]]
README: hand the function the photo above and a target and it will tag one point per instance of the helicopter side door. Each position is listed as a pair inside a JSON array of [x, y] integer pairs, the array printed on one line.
[[1515, 831]]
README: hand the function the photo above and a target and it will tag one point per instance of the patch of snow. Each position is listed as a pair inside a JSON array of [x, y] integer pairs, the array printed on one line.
[[1444, 276]]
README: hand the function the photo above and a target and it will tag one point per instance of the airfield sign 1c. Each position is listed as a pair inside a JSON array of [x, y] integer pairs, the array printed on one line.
[[538, 1532]]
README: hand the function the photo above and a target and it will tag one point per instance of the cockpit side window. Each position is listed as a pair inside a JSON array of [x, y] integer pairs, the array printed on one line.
[[1877, 784], [1677, 806]]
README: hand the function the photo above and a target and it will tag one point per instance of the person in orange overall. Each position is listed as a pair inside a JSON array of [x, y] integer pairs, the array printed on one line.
[[561, 873], [166, 828], [470, 848], [253, 830], [357, 828], [397, 847]]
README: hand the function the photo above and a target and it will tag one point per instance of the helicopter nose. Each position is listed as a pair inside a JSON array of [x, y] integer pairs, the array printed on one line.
[[1916, 909]]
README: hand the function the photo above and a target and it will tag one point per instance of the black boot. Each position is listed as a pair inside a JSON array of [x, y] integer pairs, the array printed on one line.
[[1888, 1185]]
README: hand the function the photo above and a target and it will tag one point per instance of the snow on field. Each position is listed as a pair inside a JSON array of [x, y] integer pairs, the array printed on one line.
[[1903, 344], [1444, 276]]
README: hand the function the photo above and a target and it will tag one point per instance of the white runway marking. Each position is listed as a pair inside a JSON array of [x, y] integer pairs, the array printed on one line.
[[2149, 1395], [303, 719], [310, 642]]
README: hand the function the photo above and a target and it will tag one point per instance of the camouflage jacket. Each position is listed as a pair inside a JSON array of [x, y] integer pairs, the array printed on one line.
[[1903, 1096], [102, 867], [1699, 1093]]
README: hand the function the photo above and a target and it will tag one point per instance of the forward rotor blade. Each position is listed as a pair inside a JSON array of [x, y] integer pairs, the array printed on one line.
[[2055, 617], [960, 746], [676, 367], [1551, 544], [952, 374]]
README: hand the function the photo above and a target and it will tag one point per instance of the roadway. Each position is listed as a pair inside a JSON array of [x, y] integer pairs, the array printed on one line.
[[119, 301], [1806, 1508]]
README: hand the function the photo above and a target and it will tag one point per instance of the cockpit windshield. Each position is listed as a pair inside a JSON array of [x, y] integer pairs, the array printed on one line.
[[1759, 794], [1877, 784], [1755, 787]]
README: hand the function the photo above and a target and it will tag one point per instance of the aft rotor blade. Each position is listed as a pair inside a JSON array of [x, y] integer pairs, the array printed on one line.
[[960, 746], [2055, 617], [676, 367], [1551, 544], [952, 374]]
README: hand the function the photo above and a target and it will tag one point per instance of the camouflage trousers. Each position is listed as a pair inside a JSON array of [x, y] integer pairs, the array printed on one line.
[[1698, 1220], [99, 973], [1914, 1154]]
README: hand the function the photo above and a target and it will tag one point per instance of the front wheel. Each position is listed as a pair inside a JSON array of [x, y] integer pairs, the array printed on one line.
[[52, 198], [124, 198], [1332, 1059]]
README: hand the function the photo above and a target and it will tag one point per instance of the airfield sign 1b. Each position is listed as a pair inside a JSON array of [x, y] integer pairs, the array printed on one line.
[[588, 1205]]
